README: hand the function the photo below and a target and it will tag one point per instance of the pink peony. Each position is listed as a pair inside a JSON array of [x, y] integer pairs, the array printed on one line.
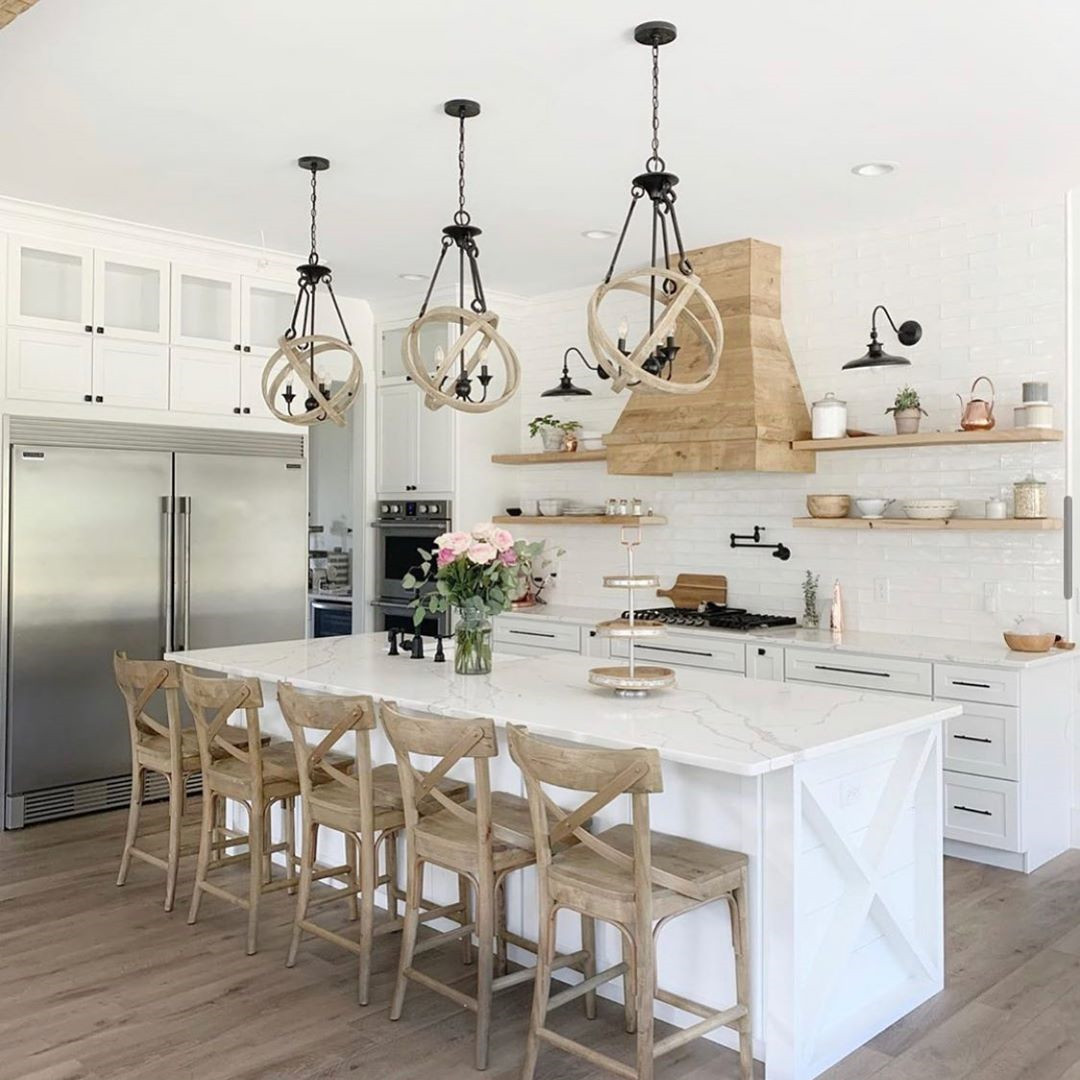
[[445, 556], [502, 540], [483, 530], [457, 542], [481, 552], [508, 557]]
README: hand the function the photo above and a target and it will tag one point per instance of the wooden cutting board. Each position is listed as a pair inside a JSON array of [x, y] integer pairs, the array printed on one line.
[[690, 590]]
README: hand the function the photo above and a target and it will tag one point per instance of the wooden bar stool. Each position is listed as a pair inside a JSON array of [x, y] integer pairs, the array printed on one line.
[[637, 880], [365, 805], [482, 841], [257, 776], [166, 748]]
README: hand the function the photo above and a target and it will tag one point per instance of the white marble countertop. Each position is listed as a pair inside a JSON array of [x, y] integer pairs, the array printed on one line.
[[712, 720], [909, 646]]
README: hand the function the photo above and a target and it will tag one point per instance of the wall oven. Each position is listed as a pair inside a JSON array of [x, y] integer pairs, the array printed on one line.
[[403, 529], [330, 618]]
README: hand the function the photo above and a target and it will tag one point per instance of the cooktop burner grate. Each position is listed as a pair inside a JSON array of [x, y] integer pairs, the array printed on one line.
[[712, 616]]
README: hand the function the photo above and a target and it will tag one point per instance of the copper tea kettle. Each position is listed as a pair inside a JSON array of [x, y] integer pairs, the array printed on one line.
[[977, 414]]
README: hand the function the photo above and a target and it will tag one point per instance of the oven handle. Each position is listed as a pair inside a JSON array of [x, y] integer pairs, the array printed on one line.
[[330, 605], [435, 523]]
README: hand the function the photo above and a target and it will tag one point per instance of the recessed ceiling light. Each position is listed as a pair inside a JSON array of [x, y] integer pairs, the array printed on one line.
[[598, 234], [413, 277], [873, 168]]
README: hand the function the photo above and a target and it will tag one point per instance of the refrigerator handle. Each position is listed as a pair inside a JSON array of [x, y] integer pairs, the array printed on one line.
[[183, 570], [169, 526]]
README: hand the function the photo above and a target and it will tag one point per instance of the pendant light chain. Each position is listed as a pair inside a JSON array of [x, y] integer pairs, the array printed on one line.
[[462, 216], [656, 162], [313, 256]]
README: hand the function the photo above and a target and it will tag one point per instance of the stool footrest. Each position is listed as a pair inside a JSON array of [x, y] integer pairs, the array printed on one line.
[[564, 997], [441, 939], [605, 1061], [726, 1018], [463, 1000]]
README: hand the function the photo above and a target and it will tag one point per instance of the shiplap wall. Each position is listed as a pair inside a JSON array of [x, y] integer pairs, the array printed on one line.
[[989, 289]]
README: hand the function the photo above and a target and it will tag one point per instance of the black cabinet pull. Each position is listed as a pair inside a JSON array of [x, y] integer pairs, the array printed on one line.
[[88, 397], [971, 810], [973, 738], [976, 685], [236, 409], [88, 329], [853, 671], [531, 633], [99, 399], [101, 329], [246, 409], [237, 347], [247, 348], [669, 649], [761, 652]]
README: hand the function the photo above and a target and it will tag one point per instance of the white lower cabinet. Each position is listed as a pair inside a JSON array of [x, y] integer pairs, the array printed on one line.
[[529, 636], [49, 365], [722, 654], [204, 381], [984, 741], [982, 810], [764, 662], [891, 675]]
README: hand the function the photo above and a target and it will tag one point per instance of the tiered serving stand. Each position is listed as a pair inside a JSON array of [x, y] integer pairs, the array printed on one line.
[[633, 679]]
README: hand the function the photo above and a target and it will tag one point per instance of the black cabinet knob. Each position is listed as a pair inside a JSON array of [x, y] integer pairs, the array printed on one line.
[[88, 397], [236, 409], [88, 329], [247, 348], [101, 329], [246, 410], [236, 347], [99, 399]]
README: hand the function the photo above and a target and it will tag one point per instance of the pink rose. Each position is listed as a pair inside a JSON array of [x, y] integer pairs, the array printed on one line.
[[483, 530], [508, 557], [482, 552], [457, 542], [502, 540], [445, 556]]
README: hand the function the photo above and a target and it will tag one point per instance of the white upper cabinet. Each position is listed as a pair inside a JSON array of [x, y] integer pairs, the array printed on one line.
[[266, 311], [131, 297], [415, 445], [391, 340], [205, 309], [252, 402], [49, 365], [131, 374], [50, 285], [204, 381], [435, 440]]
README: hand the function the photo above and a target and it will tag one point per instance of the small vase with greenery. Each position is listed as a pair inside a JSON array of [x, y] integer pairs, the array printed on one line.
[[553, 432], [810, 618], [907, 411]]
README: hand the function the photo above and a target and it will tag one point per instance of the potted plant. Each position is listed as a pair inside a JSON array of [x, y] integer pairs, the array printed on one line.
[[553, 433], [477, 574], [907, 411]]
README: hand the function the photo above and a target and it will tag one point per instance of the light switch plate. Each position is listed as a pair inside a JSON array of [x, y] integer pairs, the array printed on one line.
[[881, 590]]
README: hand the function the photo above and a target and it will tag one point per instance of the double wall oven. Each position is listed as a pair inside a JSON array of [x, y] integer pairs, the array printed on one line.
[[403, 529]]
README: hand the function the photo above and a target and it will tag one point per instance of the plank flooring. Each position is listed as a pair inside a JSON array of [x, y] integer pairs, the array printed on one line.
[[98, 983]]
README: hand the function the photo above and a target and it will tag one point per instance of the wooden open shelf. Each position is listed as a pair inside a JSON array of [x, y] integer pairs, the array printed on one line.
[[952, 524], [583, 519], [932, 438], [550, 457]]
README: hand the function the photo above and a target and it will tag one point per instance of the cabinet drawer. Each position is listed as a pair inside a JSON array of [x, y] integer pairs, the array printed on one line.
[[854, 669], [985, 741], [562, 637], [686, 651], [963, 683], [981, 810]]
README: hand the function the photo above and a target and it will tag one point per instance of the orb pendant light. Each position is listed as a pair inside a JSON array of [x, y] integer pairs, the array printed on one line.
[[450, 377], [675, 296], [298, 347]]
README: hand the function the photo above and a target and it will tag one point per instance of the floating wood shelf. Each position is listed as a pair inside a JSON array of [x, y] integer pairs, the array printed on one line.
[[582, 519], [550, 457], [952, 524], [932, 438]]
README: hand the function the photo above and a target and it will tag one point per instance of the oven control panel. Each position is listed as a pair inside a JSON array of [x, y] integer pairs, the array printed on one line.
[[414, 510]]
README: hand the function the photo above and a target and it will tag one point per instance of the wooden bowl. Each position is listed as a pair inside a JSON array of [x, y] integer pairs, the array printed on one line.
[[828, 506], [1029, 642]]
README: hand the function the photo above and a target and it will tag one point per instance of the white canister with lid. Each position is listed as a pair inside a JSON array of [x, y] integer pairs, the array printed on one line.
[[1029, 498], [829, 418]]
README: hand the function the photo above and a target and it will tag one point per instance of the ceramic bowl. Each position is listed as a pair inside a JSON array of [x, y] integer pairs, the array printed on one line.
[[828, 506], [514, 511], [930, 509], [551, 507], [872, 508], [1029, 642]]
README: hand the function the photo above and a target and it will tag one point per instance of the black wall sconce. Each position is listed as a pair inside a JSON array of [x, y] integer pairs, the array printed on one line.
[[566, 387], [908, 333], [779, 551]]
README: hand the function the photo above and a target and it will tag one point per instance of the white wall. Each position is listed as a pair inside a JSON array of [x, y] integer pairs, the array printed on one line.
[[989, 288]]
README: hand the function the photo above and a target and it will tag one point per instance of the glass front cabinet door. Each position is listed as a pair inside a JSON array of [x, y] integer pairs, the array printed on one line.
[[266, 311], [131, 297], [51, 285], [206, 309]]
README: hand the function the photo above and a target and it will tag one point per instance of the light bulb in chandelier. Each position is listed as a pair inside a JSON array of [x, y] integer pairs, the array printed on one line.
[[461, 377], [676, 301]]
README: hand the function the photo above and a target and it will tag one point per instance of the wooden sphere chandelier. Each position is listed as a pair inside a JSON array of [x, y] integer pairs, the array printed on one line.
[[676, 298], [300, 345], [454, 378]]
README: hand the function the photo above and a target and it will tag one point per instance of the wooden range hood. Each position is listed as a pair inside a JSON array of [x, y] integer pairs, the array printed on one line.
[[749, 415]]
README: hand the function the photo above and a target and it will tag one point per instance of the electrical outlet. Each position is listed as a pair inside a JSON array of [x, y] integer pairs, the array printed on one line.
[[991, 595], [881, 590]]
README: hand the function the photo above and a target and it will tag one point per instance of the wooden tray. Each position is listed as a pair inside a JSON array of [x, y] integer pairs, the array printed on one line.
[[690, 590]]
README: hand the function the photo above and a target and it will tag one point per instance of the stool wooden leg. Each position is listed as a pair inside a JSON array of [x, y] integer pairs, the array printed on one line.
[[485, 962], [176, 809], [352, 857], [290, 841], [206, 835], [465, 901], [256, 871], [545, 951], [629, 993], [393, 890], [588, 941], [413, 890], [134, 809], [303, 896], [267, 842], [367, 913], [500, 927], [741, 943], [644, 987]]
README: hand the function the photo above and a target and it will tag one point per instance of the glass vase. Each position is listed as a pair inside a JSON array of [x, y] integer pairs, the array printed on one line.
[[811, 619], [472, 645]]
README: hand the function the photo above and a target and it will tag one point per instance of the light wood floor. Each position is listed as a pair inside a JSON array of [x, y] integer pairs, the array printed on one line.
[[97, 983]]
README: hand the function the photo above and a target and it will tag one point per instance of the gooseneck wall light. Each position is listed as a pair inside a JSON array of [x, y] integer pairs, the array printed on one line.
[[454, 379], [669, 283], [907, 333], [300, 344]]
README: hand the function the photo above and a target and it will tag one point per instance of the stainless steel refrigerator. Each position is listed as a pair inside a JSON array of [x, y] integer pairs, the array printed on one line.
[[171, 539]]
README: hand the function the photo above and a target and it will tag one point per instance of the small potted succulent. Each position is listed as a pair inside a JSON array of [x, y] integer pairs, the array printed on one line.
[[907, 411], [555, 434]]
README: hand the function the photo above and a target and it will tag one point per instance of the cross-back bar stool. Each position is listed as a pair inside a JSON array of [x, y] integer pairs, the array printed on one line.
[[634, 878], [166, 748], [365, 805], [257, 776], [483, 841]]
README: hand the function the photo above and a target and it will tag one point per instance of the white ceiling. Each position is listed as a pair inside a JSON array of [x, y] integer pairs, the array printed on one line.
[[189, 113]]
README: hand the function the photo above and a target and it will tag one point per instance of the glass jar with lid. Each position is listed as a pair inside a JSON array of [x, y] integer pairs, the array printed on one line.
[[1029, 498], [829, 420]]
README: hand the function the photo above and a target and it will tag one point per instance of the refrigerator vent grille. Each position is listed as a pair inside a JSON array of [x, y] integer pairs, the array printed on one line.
[[97, 434], [113, 793]]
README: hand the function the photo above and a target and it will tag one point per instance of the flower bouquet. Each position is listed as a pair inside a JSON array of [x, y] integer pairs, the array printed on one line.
[[477, 574]]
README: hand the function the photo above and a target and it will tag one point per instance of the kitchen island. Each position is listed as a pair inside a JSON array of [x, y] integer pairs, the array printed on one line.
[[835, 796]]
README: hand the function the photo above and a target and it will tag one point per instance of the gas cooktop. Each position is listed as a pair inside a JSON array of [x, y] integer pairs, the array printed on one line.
[[712, 616]]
